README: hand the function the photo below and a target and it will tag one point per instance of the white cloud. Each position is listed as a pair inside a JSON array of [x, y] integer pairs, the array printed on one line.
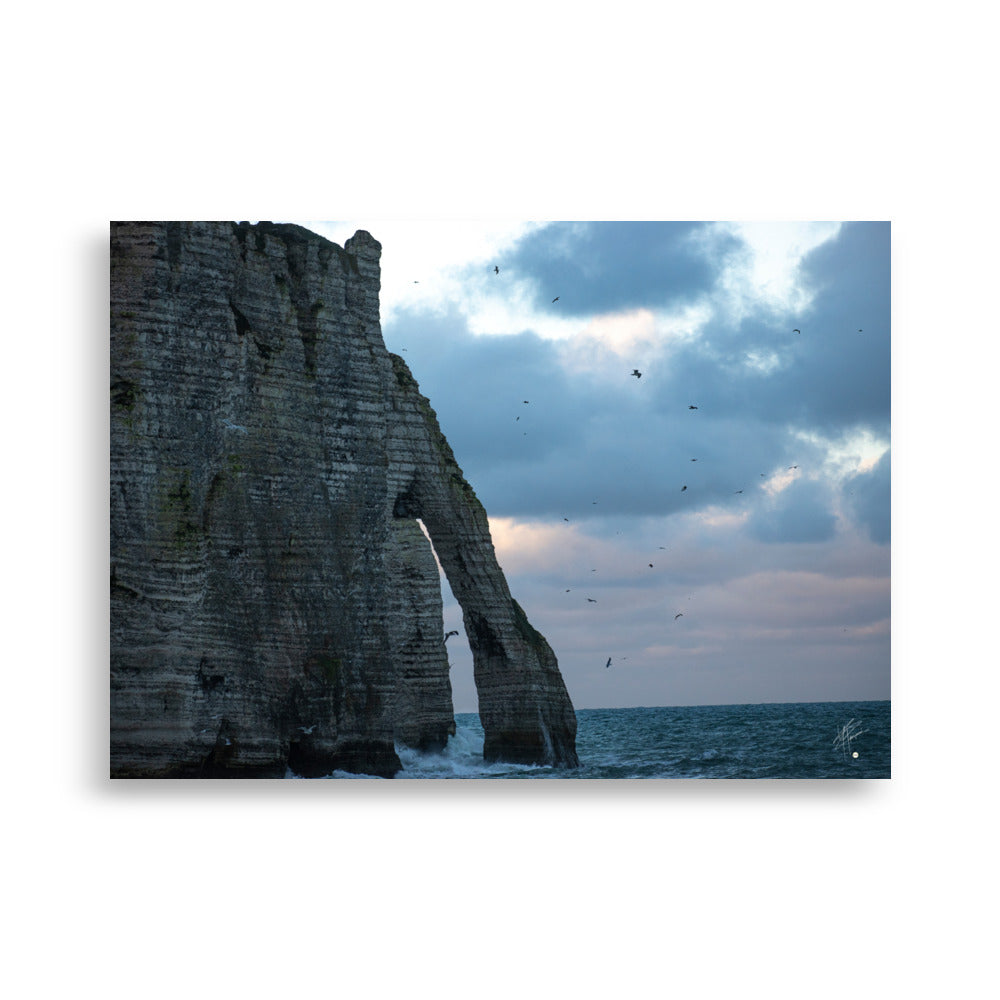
[[855, 452], [767, 274], [420, 257]]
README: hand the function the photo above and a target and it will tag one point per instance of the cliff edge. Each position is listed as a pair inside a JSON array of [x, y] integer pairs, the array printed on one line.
[[274, 603]]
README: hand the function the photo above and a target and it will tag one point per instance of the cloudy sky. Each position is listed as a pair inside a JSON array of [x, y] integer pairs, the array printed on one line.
[[742, 483]]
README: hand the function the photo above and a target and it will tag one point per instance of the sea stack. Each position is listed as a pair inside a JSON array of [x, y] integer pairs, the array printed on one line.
[[274, 603]]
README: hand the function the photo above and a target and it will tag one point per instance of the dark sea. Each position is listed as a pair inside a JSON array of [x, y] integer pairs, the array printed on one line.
[[841, 739]]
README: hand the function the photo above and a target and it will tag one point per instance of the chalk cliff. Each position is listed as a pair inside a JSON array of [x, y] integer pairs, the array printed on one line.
[[274, 602]]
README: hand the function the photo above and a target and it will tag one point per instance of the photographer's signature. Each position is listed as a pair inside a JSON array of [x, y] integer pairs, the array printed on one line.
[[849, 732]]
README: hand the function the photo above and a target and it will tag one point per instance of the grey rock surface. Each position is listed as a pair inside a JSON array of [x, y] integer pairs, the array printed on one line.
[[274, 603]]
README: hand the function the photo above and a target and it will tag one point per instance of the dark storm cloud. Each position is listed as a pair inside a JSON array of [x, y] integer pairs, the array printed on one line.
[[829, 377], [867, 496], [571, 444], [843, 379], [627, 444], [597, 267]]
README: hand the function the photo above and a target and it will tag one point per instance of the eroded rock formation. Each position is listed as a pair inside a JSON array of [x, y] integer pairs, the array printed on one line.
[[274, 603]]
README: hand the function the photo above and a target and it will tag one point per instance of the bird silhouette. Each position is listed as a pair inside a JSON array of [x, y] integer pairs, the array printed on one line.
[[448, 635], [592, 601], [796, 331], [496, 270], [307, 731], [637, 373], [683, 488], [556, 299], [650, 565], [692, 407], [608, 664], [680, 614], [737, 491]]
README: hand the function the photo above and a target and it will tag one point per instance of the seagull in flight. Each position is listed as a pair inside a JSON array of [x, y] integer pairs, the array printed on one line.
[[608, 664], [592, 601], [692, 407], [496, 270], [796, 331], [683, 488], [448, 635], [680, 614], [637, 373], [308, 731], [556, 299]]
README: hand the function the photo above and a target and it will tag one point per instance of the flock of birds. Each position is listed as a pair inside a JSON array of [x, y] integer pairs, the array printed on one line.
[[637, 374]]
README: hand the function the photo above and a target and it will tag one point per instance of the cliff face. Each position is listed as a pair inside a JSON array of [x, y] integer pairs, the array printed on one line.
[[273, 601]]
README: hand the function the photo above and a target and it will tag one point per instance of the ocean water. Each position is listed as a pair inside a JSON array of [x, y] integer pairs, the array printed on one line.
[[804, 740]]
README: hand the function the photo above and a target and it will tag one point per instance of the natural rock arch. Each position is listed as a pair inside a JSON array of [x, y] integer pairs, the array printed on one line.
[[268, 583]]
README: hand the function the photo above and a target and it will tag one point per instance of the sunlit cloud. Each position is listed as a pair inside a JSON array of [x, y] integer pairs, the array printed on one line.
[[856, 451], [425, 263], [766, 274]]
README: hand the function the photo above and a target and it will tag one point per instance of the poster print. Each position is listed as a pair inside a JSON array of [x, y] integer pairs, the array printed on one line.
[[460, 500]]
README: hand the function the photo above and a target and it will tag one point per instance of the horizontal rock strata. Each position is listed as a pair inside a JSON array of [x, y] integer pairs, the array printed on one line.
[[274, 603]]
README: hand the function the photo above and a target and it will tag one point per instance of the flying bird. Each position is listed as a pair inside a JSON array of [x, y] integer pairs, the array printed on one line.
[[592, 601], [692, 407], [556, 299], [308, 731], [496, 270], [650, 565], [680, 614], [737, 491], [608, 664], [796, 331], [448, 635], [683, 488], [637, 373]]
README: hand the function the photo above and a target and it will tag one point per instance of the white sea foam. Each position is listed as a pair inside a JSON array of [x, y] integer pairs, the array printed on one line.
[[461, 758]]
